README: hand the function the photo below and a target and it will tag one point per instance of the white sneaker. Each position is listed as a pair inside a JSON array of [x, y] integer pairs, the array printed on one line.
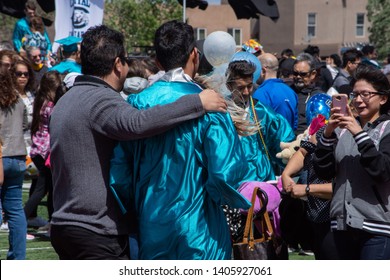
[[4, 227], [36, 222], [30, 237], [305, 253]]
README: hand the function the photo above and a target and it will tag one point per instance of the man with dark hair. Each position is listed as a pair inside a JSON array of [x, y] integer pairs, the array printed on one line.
[[274, 127], [85, 125], [323, 78], [260, 148], [369, 56], [351, 59], [287, 53], [304, 85], [22, 27], [286, 69], [182, 177]]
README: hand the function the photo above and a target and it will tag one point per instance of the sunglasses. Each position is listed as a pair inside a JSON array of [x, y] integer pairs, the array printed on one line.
[[36, 56], [301, 74], [20, 74]]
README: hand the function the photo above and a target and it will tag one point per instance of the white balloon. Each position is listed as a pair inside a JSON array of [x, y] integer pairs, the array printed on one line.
[[219, 47]]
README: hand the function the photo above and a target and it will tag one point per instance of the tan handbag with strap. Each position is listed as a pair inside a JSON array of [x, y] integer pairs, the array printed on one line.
[[261, 248]]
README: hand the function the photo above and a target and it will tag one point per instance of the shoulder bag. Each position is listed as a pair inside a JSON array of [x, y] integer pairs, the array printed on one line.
[[263, 247]]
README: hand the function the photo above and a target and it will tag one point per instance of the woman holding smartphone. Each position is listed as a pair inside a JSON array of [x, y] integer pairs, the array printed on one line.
[[355, 152]]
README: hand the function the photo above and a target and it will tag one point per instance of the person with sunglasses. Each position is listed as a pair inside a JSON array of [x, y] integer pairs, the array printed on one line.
[[34, 55], [13, 120], [24, 81], [354, 152], [23, 75], [304, 75]]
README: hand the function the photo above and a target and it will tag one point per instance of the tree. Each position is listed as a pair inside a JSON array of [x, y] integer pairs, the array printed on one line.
[[139, 19], [7, 27], [378, 12]]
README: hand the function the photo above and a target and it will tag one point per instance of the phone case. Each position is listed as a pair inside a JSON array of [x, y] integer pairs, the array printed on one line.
[[340, 101]]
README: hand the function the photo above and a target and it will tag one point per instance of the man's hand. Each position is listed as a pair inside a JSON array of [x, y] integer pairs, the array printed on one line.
[[212, 101]]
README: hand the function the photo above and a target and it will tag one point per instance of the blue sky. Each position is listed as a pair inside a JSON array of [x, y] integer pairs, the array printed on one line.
[[212, 2]]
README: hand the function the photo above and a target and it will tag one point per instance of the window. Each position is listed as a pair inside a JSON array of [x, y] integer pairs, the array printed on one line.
[[200, 33], [311, 25], [236, 33], [359, 24]]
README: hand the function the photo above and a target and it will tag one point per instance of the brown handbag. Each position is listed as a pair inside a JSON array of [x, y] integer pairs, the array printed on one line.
[[256, 249]]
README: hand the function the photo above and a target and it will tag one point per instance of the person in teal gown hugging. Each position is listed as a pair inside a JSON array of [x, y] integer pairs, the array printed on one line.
[[175, 183]]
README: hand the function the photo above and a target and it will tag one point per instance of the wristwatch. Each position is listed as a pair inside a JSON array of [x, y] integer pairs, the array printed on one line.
[[307, 189]]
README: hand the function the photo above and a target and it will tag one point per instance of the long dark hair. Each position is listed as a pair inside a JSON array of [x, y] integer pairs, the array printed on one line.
[[8, 94], [51, 82], [25, 62]]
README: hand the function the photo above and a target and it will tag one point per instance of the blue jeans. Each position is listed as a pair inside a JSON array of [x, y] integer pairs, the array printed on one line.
[[11, 199], [355, 244]]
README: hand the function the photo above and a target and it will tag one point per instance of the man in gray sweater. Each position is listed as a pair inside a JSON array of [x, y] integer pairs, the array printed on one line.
[[85, 125]]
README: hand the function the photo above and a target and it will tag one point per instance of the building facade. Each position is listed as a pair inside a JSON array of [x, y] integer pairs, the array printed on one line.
[[219, 18], [329, 24]]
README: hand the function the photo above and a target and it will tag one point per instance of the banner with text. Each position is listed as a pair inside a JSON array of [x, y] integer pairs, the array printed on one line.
[[74, 17]]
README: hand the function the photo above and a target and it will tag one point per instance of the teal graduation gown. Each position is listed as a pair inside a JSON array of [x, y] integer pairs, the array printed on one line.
[[178, 181], [275, 129], [68, 65]]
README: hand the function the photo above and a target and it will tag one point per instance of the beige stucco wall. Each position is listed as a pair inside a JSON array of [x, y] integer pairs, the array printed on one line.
[[217, 18], [335, 25], [334, 22]]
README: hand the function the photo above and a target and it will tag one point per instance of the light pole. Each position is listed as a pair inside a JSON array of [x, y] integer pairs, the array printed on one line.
[[184, 10]]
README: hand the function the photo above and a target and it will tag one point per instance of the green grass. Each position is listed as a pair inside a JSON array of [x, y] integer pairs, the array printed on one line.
[[40, 248]]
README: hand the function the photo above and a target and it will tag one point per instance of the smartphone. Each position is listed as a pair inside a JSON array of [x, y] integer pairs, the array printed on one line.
[[341, 101]]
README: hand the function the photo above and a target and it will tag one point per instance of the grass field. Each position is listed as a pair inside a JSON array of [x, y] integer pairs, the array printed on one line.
[[40, 248]]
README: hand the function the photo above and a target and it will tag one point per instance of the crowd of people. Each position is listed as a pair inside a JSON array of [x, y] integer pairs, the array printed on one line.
[[144, 158]]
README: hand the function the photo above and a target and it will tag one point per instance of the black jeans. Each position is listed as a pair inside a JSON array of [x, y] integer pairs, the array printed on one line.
[[324, 246], [43, 185], [77, 243]]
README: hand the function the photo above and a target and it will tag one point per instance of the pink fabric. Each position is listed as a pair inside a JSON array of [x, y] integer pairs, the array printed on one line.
[[273, 193], [316, 124], [41, 139], [47, 161]]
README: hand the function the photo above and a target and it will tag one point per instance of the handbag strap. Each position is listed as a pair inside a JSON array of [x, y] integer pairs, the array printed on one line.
[[265, 220], [249, 218]]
